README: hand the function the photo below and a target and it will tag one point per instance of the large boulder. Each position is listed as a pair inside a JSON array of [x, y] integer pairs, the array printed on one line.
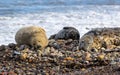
[[107, 38], [33, 35], [67, 33]]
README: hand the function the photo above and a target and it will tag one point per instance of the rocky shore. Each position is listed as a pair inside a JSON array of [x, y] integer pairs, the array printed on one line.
[[63, 55]]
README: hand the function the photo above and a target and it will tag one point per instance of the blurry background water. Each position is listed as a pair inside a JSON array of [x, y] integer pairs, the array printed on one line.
[[53, 15]]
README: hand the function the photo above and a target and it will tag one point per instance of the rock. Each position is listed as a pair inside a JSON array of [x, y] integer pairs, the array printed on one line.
[[69, 58], [67, 33], [34, 36], [100, 37], [53, 43], [101, 57], [22, 47], [29, 55], [54, 52], [23, 56], [46, 51]]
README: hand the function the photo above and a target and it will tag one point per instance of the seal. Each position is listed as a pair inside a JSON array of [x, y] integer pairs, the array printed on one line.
[[33, 35], [67, 33], [97, 38]]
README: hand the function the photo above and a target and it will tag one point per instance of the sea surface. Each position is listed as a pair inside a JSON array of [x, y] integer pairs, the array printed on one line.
[[53, 15]]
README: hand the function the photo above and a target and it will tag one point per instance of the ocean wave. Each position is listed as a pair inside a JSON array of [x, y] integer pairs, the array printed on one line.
[[86, 18]]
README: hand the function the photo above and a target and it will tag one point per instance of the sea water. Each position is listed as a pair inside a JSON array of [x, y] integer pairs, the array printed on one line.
[[53, 15]]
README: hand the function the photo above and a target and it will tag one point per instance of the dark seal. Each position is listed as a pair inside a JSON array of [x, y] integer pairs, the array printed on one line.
[[67, 33]]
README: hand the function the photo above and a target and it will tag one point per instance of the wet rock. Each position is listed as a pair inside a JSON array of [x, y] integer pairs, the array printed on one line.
[[67, 33], [33, 36]]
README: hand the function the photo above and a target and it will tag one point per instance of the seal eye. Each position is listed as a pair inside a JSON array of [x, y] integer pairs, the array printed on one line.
[[82, 44], [39, 46], [93, 50], [33, 44]]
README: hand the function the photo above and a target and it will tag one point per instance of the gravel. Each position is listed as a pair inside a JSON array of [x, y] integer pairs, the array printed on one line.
[[60, 57]]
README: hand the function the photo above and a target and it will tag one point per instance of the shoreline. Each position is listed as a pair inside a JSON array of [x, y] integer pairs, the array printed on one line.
[[62, 56], [55, 60]]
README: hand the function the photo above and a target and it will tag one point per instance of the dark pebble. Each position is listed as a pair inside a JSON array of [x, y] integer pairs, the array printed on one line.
[[22, 47], [12, 45], [56, 46]]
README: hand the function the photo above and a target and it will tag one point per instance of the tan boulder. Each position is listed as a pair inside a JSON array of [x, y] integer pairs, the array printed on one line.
[[33, 35]]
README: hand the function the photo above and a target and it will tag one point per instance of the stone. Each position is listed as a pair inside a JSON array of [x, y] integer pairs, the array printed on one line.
[[67, 33], [23, 56], [100, 37], [53, 43], [69, 58], [87, 56], [101, 57], [46, 51], [33, 35]]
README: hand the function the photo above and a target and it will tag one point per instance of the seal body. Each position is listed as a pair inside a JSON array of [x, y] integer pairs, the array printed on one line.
[[67, 33], [97, 38], [34, 36]]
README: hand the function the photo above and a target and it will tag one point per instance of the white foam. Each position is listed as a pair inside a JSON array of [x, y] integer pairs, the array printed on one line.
[[84, 19]]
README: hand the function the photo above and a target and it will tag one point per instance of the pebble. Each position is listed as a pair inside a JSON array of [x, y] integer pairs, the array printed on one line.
[[101, 57], [87, 56], [22, 47], [69, 58], [46, 51], [23, 56]]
